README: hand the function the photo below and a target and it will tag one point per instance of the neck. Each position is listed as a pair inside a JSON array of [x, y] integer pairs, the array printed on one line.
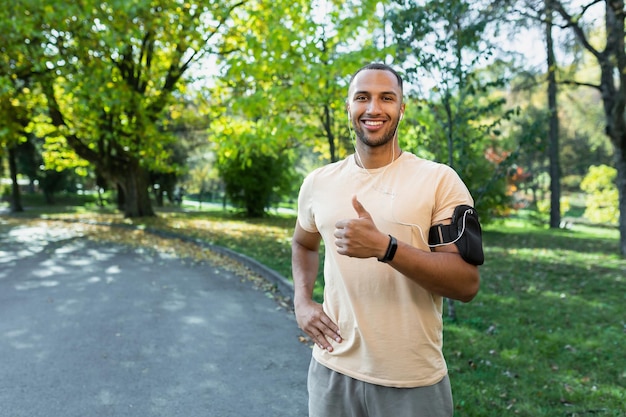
[[378, 157]]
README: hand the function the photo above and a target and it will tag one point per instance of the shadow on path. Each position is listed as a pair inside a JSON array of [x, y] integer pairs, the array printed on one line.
[[93, 330]]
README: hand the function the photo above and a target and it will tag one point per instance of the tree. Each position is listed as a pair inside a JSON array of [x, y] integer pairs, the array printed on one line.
[[253, 183], [293, 64], [284, 86], [15, 112], [555, 167], [110, 71], [446, 42], [554, 160], [611, 58], [255, 163], [16, 201]]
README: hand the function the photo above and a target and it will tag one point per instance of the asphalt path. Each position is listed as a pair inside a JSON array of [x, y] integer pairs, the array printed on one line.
[[89, 329]]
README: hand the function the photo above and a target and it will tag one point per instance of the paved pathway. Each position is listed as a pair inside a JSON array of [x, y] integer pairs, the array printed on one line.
[[90, 330]]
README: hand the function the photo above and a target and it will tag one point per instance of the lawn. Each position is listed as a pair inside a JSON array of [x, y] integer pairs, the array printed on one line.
[[544, 337]]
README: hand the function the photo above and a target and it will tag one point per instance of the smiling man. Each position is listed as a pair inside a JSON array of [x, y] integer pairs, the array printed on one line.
[[378, 334]]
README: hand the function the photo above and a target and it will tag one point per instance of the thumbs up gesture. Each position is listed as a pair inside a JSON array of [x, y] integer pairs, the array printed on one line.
[[359, 237]]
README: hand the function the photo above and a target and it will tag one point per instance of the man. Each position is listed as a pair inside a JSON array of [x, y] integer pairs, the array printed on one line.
[[378, 334]]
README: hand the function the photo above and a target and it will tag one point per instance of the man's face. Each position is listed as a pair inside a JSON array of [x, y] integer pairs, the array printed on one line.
[[375, 105]]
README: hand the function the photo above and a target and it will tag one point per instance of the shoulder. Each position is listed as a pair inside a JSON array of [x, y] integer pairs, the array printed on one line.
[[329, 170], [445, 183], [425, 166]]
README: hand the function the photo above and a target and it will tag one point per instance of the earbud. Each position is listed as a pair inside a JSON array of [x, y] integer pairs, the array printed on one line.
[[401, 115]]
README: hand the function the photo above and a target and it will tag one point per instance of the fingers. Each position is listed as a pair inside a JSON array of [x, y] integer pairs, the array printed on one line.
[[323, 336], [322, 331], [360, 210], [357, 237], [320, 328]]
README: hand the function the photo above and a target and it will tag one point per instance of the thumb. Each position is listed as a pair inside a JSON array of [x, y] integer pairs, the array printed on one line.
[[360, 210]]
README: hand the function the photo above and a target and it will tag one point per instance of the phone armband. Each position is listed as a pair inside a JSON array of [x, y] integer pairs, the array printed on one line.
[[464, 231]]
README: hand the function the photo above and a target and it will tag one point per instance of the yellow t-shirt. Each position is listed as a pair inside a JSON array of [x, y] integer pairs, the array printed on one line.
[[391, 327]]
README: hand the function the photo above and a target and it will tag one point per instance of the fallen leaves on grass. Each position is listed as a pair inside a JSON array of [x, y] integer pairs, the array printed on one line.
[[137, 237]]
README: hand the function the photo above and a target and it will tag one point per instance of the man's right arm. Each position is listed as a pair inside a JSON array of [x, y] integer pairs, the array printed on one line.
[[305, 265]]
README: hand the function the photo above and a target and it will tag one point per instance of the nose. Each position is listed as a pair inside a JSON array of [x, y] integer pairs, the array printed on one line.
[[373, 107]]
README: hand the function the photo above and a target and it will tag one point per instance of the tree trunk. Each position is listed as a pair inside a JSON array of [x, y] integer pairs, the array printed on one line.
[[327, 123], [620, 163], [614, 98], [121, 198], [134, 184], [553, 148], [16, 197], [48, 197], [159, 197], [450, 133]]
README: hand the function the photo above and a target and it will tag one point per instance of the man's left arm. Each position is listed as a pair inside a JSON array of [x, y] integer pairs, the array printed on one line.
[[443, 272]]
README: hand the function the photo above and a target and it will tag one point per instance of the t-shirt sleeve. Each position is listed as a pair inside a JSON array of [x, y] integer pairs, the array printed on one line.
[[306, 217], [451, 192]]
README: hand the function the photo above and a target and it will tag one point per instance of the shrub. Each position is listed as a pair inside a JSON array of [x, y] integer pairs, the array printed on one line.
[[601, 198]]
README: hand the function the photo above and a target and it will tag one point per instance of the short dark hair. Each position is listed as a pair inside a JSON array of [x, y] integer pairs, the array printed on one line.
[[380, 67]]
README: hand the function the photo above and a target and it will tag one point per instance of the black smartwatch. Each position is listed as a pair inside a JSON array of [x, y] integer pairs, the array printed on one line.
[[391, 250]]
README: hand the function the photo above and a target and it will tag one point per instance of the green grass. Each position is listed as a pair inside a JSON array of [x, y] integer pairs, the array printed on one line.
[[544, 337]]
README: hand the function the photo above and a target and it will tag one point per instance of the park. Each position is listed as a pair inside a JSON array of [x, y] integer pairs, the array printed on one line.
[[542, 338], [163, 131]]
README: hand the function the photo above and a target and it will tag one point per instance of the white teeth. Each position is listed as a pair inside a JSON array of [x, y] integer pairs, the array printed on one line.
[[373, 123]]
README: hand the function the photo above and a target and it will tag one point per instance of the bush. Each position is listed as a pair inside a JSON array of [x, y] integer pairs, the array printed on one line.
[[254, 183], [601, 195]]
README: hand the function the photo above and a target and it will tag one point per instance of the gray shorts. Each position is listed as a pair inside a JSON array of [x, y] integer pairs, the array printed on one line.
[[332, 394]]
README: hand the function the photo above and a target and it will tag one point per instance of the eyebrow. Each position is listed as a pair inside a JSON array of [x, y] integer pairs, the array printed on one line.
[[383, 93]]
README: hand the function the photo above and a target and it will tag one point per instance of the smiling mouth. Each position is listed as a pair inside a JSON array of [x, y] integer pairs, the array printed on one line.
[[372, 123]]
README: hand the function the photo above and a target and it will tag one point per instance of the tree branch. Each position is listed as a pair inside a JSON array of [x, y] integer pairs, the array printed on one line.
[[58, 120], [581, 84], [578, 31]]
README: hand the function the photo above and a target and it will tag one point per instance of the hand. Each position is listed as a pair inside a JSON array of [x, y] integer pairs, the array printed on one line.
[[315, 323], [360, 238]]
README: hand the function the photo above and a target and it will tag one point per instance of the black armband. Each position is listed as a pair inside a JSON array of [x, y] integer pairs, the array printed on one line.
[[464, 231]]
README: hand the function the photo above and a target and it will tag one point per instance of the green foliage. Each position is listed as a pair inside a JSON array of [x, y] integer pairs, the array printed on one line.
[[543, 206], [283, 93], [252, 184], [202, 178], [111, 73], [601, 194], [122, 76], [541, 216], [291, 67], [582, 137], [444, 38], [256, 164], [460, 119], [464, 135]]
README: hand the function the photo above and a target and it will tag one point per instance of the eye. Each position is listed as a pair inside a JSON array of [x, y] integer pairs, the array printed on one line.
[[360, 98]]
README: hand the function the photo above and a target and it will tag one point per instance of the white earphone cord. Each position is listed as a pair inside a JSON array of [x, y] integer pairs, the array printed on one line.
[[421, 231], [356, 151]]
